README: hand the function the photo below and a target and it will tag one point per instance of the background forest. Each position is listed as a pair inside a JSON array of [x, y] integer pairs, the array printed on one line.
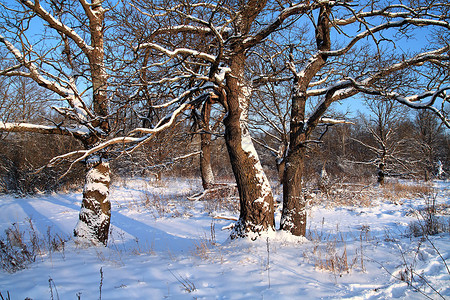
[[411, 145]]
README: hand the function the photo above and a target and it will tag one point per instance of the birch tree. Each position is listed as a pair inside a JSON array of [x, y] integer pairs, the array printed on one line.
[[60, 46]]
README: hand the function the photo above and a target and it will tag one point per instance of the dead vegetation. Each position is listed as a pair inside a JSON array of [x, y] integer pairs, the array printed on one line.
[[339, 192], [20, 247], [330, 253]]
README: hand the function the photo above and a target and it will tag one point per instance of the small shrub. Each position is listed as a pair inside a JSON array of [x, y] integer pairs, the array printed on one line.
[[428, 221], [20, 248]]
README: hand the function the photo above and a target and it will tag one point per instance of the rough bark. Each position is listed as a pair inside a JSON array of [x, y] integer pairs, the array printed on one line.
[[256, 199], [381, 174], [95, 214], [293, 217], [205, 144]]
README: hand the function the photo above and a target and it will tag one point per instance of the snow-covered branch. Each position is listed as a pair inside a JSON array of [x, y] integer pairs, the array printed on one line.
[[79, 108], [178, 51], [43, 129], [58, 25]]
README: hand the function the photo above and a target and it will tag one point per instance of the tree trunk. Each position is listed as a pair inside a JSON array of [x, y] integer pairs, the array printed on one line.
[[205, 144], [95, 214], [293, 216], [380, 174], [280, 164], [256, 200]]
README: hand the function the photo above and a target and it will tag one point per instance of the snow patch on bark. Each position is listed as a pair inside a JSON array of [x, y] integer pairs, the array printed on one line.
[[97, 181], [93, 224], [248, 147], [86, 234], [221, 76]]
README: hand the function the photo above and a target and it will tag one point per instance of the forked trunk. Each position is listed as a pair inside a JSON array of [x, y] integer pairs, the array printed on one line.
[[255, 193], [95, 214], [293, 218]]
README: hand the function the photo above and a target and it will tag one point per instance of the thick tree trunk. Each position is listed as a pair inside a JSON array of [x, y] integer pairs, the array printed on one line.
[[95, 214], [205, 144], [293, 217], [256, 200]]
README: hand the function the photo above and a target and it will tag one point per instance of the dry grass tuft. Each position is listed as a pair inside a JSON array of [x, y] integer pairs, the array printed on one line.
[[329, 252], [342, 194], [203, 246], [19, 248]]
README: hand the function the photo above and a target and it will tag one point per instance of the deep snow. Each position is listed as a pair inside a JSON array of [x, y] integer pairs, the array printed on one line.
[[163, 249]]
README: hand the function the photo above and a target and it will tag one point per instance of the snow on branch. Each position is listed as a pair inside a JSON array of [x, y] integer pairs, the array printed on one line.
[[335, 121], [349, 87], [43, 129], [178, 51], [57, 25], [78, 106], [413, 101], [386, 12], [137, 141]]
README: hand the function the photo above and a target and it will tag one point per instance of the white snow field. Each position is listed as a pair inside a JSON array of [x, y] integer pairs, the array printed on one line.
[[164, 246]]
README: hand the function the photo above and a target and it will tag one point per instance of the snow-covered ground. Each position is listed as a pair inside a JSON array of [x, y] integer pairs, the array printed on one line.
[[166, 247]]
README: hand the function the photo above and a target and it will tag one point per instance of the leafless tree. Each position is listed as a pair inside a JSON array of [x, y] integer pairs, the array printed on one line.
[[389, 143], [364, 72], [428, 143], [325, 74], [60, 46]]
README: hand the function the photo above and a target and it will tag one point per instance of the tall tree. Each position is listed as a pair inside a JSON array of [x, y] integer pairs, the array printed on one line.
[[344, 69], [364, 72], [60, 46]]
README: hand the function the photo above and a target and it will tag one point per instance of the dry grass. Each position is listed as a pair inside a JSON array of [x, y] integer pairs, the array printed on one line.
[[396, 191], [329, 252], [20, 247], [163, 206], [341, 193], [204, 245], [431, 219]]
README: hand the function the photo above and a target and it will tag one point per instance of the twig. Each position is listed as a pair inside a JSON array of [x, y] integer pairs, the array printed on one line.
[[50, 281], [226, 218], [101, 283]]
